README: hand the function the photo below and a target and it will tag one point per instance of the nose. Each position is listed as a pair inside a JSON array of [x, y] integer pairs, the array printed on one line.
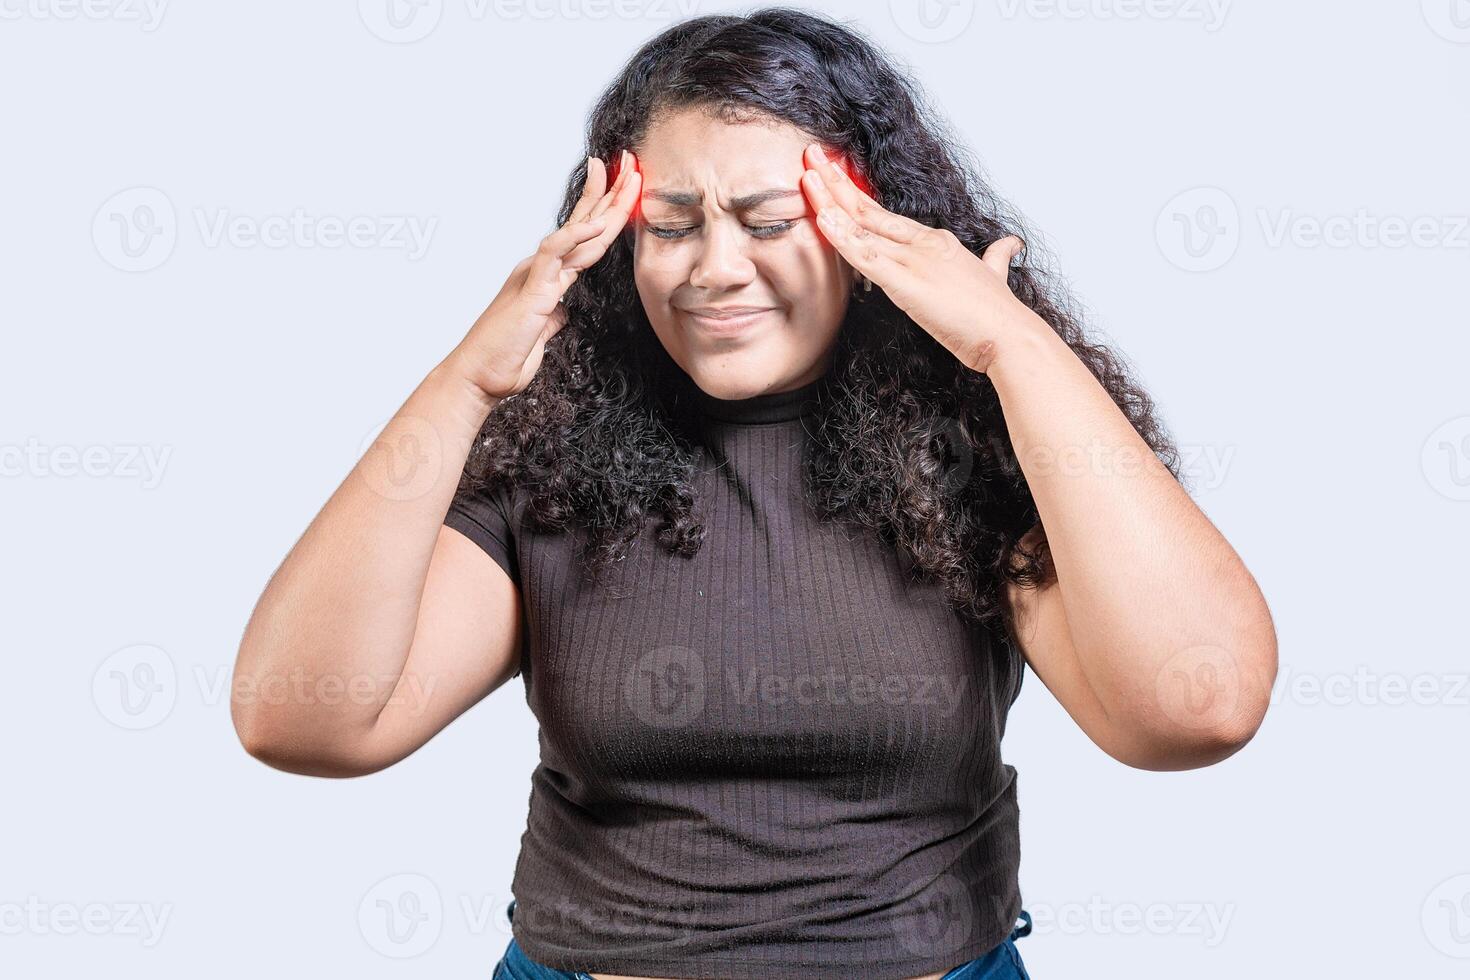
[[722, 263]]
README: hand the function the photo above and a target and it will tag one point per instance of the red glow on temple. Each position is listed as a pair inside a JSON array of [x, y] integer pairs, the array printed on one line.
[[612, 178], [858, 179]]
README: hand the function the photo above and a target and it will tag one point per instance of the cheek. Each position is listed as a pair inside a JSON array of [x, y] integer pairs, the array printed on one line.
[[814, 252], [656, 273], [805, 264], [808, 235], [658, 257]]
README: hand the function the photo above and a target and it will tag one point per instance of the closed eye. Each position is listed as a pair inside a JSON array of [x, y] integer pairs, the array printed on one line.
[[759, 231]]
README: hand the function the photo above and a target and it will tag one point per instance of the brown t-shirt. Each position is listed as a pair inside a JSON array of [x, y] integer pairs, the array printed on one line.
[[777, 758]]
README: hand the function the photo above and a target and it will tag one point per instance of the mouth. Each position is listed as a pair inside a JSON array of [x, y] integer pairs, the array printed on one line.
[[731, 322]]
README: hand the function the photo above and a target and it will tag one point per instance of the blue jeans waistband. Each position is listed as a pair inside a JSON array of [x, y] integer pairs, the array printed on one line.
[[1000, 962]]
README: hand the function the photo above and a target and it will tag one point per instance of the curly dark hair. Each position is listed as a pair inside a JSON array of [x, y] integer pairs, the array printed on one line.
[[602, 436]]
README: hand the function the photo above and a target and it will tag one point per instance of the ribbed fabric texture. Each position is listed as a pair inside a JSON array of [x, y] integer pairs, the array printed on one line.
[[775, 759]]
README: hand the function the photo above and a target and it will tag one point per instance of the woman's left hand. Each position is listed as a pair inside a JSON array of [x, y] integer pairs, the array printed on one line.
[[961, 299]]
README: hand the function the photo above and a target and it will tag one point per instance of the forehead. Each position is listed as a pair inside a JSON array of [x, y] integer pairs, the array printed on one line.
[[692, 151]]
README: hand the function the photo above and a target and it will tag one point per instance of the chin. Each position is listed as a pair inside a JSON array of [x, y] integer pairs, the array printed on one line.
[[741, 367], [731, 377]]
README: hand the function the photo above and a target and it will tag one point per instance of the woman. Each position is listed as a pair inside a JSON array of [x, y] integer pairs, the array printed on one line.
[[887, 471]]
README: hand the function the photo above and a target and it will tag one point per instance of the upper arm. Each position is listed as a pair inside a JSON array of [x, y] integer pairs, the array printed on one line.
[[1038, 621], [1134, 734], [467, 641]]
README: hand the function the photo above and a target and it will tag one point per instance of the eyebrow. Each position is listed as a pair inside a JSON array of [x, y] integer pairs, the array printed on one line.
[[686, 199]]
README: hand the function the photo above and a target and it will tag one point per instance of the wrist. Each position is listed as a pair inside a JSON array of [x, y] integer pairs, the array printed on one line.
[[457, 384], [1026, 348]]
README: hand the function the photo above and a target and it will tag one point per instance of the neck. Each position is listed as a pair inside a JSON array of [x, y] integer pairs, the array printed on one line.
[[785, 404]]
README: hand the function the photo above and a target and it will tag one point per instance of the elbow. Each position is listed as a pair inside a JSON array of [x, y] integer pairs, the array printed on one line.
[[1208, 704], [261, 739], [296, 727], [1175, 749], [275, 742], [258, 738], [259, 734]]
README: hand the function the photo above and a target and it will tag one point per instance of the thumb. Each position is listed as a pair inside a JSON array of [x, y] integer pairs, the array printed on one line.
[[555, 320], [1000, 253]]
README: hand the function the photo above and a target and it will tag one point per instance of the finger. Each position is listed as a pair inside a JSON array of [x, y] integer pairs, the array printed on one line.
[[592, 188], [547, 261], [868, 253], [625, 172], [600, 205], [589, 252], [569, 236], [823, 200], [873, 216], [858, 202], [843, 231], [999, 254]]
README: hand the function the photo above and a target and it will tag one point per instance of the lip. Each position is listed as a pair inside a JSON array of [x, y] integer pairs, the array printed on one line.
[[731, 319]]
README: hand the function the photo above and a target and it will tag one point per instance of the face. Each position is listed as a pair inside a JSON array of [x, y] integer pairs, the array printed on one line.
[[723, 223]]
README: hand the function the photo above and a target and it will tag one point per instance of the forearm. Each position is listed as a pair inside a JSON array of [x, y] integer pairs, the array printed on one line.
[[332, 631], [1150, 588]]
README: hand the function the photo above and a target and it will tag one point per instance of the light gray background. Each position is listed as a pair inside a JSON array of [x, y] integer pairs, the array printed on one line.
[[1317, 377]]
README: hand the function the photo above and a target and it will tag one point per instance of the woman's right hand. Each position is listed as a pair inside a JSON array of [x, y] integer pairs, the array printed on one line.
[[502, 351]]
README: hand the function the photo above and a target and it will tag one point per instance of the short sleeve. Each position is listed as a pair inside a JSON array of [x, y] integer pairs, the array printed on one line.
[[484, 516]]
